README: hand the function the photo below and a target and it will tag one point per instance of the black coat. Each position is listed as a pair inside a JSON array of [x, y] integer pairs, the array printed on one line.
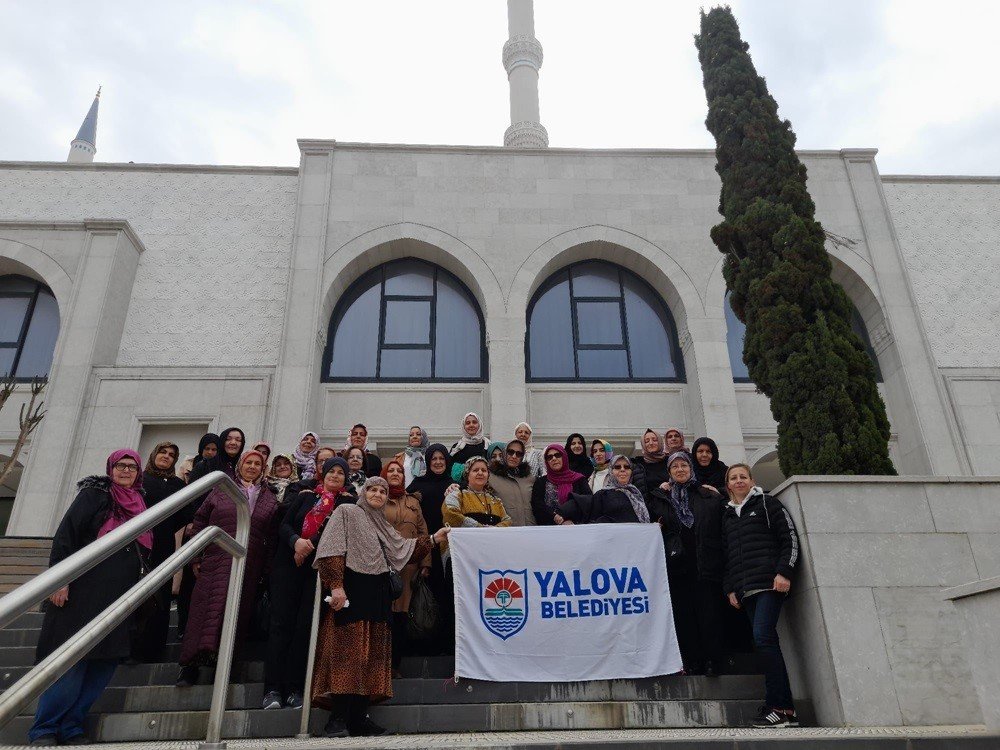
[[758, 544], [158, 489], [647, 476], [707, 509], [290, 528], [544, 516], [99, 587], [478, 449], [604, 506]]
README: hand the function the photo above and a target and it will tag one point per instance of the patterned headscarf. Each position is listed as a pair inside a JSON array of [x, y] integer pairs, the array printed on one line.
[[561, 482], [679, 492], [609, 455], [478, 439], [631, 492], [418, 463], [151, 467]]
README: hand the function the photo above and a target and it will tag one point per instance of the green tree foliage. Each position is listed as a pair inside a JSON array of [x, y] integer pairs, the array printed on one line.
[[799, 347]]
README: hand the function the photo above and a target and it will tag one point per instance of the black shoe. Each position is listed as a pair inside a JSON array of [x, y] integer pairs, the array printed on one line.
[[77, 739], [335, 728], [45, 739], [187, 677], [767, 717], [368, 728], [294, 700], [272, 699]]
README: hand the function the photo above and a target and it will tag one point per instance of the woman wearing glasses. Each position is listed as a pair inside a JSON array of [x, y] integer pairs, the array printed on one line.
[[551, 491], [513, 480], [103, 503]]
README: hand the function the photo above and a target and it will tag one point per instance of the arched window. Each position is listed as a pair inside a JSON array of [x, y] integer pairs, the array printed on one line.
[[596, 321], [736, 331], [29, 326], [406, 320]]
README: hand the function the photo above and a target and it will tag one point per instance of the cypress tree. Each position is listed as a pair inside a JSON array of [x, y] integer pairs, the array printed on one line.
[[799, 346]]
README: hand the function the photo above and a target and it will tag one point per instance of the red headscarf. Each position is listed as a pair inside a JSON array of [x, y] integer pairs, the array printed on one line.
[[394, 492], [126, 502], [564, 478], [327, 501]]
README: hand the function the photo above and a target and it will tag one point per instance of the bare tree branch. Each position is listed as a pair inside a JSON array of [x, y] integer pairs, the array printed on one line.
[[29, 418]]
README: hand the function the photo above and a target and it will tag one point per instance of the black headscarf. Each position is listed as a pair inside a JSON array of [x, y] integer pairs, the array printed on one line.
[[431, 487], [582, 463], [209, 438], [501, 468], [715, 473]]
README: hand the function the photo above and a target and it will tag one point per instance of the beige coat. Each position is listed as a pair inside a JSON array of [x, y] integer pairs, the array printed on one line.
[[407, 519], [516, 496]]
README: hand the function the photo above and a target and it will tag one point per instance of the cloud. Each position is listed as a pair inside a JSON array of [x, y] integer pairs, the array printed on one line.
[[228, 82]]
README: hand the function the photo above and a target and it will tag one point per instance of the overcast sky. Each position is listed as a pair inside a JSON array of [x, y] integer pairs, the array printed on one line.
[[215, 82]]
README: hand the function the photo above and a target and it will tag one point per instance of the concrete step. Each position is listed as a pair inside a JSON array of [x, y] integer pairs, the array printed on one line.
[[414, 692], [33, 621], [22, 656], [20, 543], [30, 563], [191, 725], [29, 636], [153, 674]]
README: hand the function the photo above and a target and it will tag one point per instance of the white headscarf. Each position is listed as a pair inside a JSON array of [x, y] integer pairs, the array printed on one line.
[[478, 439]]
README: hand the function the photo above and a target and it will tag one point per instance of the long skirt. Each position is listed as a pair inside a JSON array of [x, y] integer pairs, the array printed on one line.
[[352, 659]]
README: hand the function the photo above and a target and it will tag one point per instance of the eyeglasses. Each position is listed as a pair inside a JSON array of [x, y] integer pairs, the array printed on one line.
[[514, 453], [550, 456], [125, 467]]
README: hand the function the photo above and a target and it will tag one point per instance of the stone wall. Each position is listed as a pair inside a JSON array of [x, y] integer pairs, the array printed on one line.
[[867, 638]]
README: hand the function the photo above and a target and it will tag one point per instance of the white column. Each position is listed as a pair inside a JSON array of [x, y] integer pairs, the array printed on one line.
[[522, 57]]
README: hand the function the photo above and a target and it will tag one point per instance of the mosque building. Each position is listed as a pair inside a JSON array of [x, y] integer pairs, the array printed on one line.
[[401, 284]]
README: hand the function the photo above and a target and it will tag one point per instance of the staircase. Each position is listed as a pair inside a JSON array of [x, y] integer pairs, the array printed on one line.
[[22, 558], [142, 704]]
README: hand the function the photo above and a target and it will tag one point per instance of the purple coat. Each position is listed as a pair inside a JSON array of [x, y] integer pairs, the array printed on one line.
[[208, 602]]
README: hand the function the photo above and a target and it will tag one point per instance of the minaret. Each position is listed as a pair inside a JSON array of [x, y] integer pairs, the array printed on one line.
[[84, 146], [522, 57]]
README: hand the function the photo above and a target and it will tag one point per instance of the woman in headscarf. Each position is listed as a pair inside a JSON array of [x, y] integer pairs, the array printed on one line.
[[356, 478], [208, 447], [601, 456], [284, 472], [472, 443], [619, 502], [292, 584], [231, 442], [552, 490], [412, 456], [496, 451], [358, 437], [429, 489], [673, 441], [158, 483], [208, 602], [263, 449], [354, 556], [690, 518], [305, 455], [576, 449], [532, 455], [707, 466], [477, 504], [512, 479], [649, 470], [402, 511], [102, 504]]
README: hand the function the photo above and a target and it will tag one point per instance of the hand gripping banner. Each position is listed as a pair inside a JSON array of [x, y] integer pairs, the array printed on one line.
[[562, 603]]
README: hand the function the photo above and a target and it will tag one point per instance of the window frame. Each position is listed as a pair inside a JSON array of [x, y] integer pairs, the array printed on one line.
[[620, 271], [363, 280], [29, 313]]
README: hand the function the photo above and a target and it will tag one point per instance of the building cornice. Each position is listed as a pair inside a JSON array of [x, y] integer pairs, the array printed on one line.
[[59, 166], [943, 178], [87, 225]]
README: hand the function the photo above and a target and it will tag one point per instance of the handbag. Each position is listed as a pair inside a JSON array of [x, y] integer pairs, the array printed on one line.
[[395, 579], [424, 612], [152, 605]]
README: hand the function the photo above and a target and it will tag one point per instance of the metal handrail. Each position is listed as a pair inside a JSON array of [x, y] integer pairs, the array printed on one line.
[[16, 603]]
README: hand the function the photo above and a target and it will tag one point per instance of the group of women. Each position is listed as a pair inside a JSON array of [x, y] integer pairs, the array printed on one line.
[[344, 516]]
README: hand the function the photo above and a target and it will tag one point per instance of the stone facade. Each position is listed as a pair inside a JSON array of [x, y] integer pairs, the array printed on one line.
[[221, 313]]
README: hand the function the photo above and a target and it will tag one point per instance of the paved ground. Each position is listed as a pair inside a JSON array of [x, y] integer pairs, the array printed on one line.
[[852, 737]]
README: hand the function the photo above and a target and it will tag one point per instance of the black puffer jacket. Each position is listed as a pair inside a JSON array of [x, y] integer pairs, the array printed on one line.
[[707, 508], [758, 544]]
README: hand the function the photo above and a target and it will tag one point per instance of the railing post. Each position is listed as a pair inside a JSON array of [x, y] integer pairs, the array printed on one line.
[[310, 663], [227, 640]]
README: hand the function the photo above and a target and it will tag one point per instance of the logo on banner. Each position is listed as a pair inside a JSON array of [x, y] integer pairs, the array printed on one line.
[[503, 603]]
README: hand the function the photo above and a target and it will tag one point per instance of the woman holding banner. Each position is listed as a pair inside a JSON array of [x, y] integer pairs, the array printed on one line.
[[357, 550], [619, 502], [690, 518]]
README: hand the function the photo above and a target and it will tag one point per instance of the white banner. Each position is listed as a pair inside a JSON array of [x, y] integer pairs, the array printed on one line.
[[562, 603]]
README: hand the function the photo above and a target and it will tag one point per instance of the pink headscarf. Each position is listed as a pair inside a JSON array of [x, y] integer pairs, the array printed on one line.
[[126, 502], [564, 478], [250, 489]]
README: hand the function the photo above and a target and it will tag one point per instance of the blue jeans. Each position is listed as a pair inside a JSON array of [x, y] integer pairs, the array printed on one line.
[[63, 707], [763, 610]]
